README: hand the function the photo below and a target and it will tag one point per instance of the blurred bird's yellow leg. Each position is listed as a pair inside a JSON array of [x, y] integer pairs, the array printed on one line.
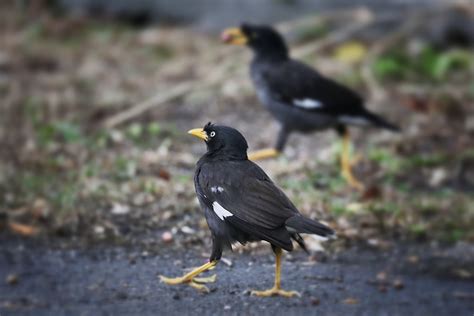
[[264, 154], [276, 289], [191, 277], [346, 164]]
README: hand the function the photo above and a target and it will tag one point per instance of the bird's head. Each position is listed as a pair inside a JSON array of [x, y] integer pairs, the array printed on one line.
[[222, 140], [262, 39]]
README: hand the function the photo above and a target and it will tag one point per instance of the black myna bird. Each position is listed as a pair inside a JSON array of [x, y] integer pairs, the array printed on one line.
[[298, 96], [242, 204]]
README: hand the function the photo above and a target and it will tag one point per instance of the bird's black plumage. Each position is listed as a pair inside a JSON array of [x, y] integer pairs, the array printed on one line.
[[240, 202], [298, 96]]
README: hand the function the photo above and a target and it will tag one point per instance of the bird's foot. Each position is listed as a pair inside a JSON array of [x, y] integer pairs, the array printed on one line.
[[355, 160], [352, 181], [195, 282], [191, 278], [197, 270], [210, 279], [346, 171], [274, 291], [263, 154]]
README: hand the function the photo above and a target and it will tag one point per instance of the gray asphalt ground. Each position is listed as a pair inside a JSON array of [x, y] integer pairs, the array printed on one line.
[[38, 279]]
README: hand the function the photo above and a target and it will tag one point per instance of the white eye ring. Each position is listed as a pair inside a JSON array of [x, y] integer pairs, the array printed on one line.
[[212, 134]]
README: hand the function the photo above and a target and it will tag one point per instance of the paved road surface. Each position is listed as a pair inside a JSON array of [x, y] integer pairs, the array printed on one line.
[[38, 280]]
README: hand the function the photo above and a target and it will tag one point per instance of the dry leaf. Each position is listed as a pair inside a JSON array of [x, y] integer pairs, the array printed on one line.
[[22, 229], [350, 301], [351, 52]]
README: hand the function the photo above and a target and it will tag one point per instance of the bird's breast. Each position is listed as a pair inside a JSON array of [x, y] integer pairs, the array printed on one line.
[[262, 89]]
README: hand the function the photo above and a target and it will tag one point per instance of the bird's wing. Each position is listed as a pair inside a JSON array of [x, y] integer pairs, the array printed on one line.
[[241, 193], [300, 86]]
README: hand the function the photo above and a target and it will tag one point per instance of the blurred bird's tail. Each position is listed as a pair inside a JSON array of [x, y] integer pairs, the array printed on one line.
[[381, 122], [301, 224]]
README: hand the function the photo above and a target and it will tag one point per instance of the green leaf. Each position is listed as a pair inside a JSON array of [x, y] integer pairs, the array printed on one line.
[[135, 131], [45, 134], [388, 66], [449, 61], [154, 129], [426, 62], [71, 133]]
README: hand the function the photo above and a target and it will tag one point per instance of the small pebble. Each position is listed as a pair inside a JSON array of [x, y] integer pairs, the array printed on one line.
[[227, 262], [167, 237], [99, 230], [187, 230], [398, 284], [381, 276], [12, 279], [413, 259]]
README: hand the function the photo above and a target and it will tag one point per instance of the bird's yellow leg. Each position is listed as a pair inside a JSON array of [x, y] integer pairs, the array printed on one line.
[[346, 164], [276, 289], [264, 154], [191, 277]]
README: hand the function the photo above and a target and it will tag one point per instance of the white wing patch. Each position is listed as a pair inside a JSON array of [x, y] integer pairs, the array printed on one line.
[[354, 120], [215, 189], [220, 211], [307, 103]]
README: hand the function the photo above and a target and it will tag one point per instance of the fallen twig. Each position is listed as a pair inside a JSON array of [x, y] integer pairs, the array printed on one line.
[[140, 108]]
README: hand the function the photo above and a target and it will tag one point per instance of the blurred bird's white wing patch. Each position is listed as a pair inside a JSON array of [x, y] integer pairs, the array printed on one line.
[[220, 211], [307, 103]]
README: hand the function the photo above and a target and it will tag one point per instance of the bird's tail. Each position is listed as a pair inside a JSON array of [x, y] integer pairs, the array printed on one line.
[[381, 122], [301, 224]]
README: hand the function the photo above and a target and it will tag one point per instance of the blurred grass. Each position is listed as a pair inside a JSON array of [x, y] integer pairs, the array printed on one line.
[[426, 64]]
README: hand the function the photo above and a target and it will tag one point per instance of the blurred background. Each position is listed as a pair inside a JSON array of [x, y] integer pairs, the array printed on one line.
[[96, 98]]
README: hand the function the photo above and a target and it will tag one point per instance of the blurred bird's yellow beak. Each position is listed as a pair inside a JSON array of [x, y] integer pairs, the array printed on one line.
[[199, 133], [234, 36]]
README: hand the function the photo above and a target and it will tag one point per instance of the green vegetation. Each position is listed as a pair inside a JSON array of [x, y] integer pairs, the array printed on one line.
[[428, 63]]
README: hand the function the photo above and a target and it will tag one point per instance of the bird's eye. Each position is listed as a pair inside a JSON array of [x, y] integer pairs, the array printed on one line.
[[212, 134]]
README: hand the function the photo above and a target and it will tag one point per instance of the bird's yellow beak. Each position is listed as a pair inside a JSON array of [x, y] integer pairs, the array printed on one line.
[[199, 133], [234, 36]]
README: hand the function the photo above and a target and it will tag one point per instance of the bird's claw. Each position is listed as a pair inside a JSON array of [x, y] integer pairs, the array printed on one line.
[[275, 292], [196, 268], [210, 279], [196, 283], [352, 181], [173, 281], [199, 287]]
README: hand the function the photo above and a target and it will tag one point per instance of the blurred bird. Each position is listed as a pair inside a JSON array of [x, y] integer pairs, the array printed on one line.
[[298, 96], [242, 204]]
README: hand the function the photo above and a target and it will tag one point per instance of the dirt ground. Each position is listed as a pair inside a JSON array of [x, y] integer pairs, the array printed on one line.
[[72, 166]]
